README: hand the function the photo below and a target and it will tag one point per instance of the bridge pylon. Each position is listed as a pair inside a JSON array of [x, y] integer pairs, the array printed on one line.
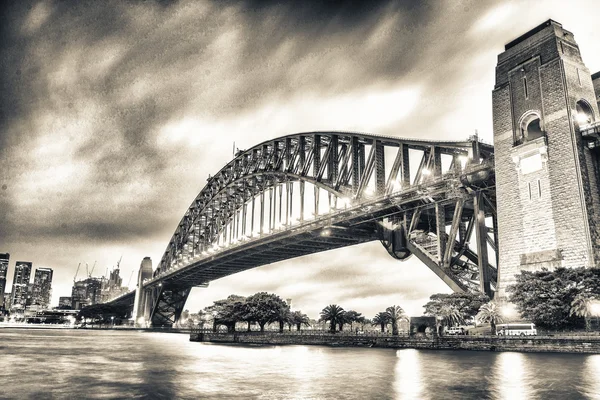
[[546, 152]]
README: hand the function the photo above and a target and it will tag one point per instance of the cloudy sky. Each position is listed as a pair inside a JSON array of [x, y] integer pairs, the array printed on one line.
[[113, 114]]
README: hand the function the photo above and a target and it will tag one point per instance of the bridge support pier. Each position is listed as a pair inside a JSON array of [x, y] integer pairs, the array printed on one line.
[[548, 193], [168, 306]]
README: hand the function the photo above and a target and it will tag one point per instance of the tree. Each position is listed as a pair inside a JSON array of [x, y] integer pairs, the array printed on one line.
[[489, 312], [342, 320], [284, 316], [396, 314], [450, 315], [467, 304], [228, 311], [265, 308], [580, 307], [381, 319], [298, 318], [352, 316], [545, 297], [332, 313]]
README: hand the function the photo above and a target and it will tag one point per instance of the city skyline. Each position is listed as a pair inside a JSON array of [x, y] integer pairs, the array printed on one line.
[[123, 122]]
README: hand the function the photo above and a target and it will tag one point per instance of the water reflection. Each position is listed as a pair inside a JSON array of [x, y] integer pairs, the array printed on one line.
[[511, 379], [591, 377], [408, 380], [101, 364]]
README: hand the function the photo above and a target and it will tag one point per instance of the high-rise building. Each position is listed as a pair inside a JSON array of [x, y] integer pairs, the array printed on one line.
[[86, 293], [111, 286], [42, 287], [4, 257], [20, 283], [7, 301]]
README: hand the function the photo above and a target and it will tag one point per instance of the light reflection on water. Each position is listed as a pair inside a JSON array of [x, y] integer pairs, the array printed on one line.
[[512, 378], [113, 364], [407, 382]]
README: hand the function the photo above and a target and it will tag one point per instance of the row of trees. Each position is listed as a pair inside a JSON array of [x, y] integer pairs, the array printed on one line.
[[337, 316], [261, 308], [458, 308], [265, 308], [557, 299]]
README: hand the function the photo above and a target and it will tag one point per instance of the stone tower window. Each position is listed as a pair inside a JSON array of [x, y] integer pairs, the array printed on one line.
[[584, 114], [530, 128]]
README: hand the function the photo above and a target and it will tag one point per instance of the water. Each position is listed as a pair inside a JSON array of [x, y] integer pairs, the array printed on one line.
[[74, 364]]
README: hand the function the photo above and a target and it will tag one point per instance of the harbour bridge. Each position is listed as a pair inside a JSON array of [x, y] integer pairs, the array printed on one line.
[[448, 203], [311, 192]]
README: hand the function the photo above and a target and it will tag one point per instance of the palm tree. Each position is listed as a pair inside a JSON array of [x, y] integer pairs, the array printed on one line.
[[450, 315], [489, 312], [381, 319], [396, 314], [580, 307], [283, 317], [299, 319], [352, 316], [332, 313]]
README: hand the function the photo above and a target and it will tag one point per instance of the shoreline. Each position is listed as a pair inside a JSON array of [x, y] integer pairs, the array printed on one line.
[[527, 344], [89, 328]]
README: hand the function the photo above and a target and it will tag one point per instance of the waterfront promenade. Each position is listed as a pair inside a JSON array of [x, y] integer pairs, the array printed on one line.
[[559, 343]]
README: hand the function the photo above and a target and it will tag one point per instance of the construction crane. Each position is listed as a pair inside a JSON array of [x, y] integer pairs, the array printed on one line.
[[92, 271], [130, 276], [119, 262], [76, 272]]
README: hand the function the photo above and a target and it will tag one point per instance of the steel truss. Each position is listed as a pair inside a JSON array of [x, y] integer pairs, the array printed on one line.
[[260, 208], [168, 305]]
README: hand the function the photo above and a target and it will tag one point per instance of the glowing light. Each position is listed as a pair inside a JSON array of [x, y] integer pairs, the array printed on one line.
[[326, 232], [595, 308], [345, 202], [426, 172], [582, 119], [509, 311]]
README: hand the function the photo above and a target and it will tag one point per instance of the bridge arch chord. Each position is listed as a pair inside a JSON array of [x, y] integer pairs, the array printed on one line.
[[264, 189]]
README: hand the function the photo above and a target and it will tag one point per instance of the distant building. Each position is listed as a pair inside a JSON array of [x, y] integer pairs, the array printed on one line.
[[20, 283], [4, 257], [86, 293], [7, 300], [64, 302], [111, 286], [42, 288]]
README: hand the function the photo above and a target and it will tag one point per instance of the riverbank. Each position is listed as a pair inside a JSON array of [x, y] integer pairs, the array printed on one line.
[[99, 328], [543, 344]]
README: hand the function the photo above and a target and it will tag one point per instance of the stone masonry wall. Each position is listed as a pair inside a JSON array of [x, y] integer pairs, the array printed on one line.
[[547, 189], [525, 344]]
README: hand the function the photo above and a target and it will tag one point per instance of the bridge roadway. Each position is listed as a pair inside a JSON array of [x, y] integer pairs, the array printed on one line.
[[401, 219], [345, 227]]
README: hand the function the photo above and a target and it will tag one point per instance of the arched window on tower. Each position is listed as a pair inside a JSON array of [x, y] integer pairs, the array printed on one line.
[[584, 114], [530, 128]]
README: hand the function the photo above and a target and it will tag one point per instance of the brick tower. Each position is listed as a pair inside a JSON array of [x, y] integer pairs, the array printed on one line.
[[546, 171]]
